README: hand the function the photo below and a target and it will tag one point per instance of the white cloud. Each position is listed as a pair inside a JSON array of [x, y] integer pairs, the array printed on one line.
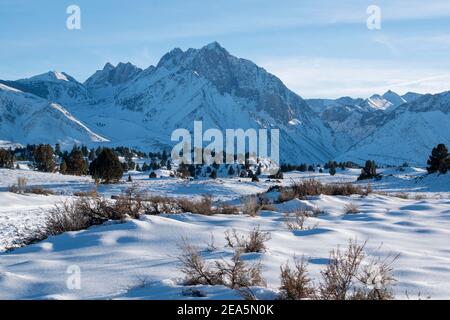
[[333, 78]]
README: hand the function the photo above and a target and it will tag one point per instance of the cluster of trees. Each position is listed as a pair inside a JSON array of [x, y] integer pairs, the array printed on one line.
[[102, 164], [302, 167], [369, 171], [240, 170]]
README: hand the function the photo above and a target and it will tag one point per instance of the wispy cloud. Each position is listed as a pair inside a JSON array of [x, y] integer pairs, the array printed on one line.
[[332, 78]]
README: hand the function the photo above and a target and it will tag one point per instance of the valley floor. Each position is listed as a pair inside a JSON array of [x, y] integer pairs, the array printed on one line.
[[408, 214]]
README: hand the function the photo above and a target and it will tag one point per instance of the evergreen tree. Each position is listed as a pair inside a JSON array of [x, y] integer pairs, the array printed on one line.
[[213, 174], [183, 170], [369, 171], [439, 159], [332, 170], [169, 165], [85, 151], [106, 167], [153, 175], [192, 170], [58, 151], [76, 164], [6, 159], [231, 171], [92, 155], [44, 159], [63, 167], [164, 156], [259, 170]]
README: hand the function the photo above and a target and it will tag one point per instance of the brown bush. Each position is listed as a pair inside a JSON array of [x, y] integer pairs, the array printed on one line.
[[196, 270], [348, 276], [19, 187], [234, 274], [156, 205], [203, 207], [40, 191], [352, 208], [93, 193], [253, 242], [297, 220], [303, 189], [250, 206], [237, 275], [227, 209], [296, 283]]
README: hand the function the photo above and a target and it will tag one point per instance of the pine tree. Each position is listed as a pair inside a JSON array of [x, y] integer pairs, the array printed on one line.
[[76, 164], [231, 171], [153, 175], [192, 170], [106, 167], [63, 167], [439, 159], [92, 155], [44, 159], [6, 159], [58, 150], [183, 170], [369, 171], [332, 170]]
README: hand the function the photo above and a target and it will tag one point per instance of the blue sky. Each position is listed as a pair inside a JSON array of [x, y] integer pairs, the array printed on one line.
[[318, 48]]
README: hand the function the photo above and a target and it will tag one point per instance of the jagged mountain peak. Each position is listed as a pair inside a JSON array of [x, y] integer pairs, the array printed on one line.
[[112, 75], [394, 98]]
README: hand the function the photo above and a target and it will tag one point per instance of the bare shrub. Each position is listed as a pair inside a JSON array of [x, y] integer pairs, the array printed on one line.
[[237, 274], [196, 270], [401, 195], [250, 206], [303, 189], [352, 208], [40, 191], [296, 283], [227, 209], [90, 193], [203, 207], [234, 274], [268, 207], [156, 205], [348, 276], [68, 216], [21, 182], [297, 220], [19, 187], [253, 242]]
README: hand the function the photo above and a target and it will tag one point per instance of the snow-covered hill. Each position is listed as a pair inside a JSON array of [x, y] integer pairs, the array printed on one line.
[[26, 118]]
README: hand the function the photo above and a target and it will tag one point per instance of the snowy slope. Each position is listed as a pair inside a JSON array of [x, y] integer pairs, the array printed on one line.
[[26, 118]]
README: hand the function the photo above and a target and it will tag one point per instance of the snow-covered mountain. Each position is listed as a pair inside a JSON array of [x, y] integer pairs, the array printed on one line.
[[27, 118], [125, 105], [408, 133], [205, 84], [106, 82]]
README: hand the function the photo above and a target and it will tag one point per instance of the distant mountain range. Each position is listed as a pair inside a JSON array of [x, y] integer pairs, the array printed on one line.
[[125, 105]]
